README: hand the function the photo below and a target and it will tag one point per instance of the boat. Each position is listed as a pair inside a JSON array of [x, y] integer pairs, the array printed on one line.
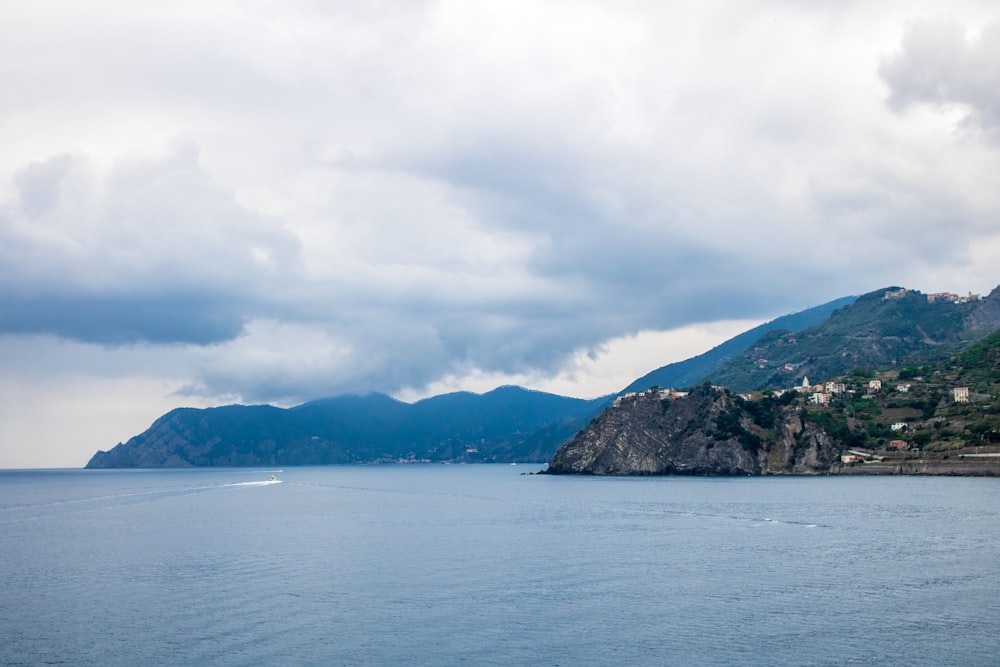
[[272, 478]]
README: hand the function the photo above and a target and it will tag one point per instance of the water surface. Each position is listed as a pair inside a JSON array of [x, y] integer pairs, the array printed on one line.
[[480, 565]]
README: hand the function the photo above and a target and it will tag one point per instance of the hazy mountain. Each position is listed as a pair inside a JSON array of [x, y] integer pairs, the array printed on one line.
[[497, 426]]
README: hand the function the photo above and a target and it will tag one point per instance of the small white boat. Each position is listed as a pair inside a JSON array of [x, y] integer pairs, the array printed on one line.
[[272, 478]]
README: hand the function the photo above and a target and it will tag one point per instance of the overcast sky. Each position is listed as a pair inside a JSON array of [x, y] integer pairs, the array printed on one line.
[[204, 203]]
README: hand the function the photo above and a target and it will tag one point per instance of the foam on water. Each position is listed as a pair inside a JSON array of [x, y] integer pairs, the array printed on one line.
[[266, 482]]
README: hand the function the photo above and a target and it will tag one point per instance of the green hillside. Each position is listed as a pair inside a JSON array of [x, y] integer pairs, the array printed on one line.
[[950, 406], [884, 329], [692, 371]]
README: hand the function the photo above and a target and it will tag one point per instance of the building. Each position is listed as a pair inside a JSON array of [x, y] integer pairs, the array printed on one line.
[[902, 388], [898, 426], [960, 394], [874, 385], [805, 387], [671, 394], [835, 387], [820, 398], [899, 444]]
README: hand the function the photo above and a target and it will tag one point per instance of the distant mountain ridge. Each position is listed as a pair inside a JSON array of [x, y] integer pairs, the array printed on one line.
[[498, 425]]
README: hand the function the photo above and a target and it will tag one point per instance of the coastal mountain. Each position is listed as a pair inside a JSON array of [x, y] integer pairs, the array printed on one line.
[[890, 327], [940, 418], [500, 425]]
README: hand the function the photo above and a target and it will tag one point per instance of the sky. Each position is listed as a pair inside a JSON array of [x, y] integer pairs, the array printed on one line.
[[271, 202]]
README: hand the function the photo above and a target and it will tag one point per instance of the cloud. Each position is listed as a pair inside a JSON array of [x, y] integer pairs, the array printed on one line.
[[48, 422], [943, 63], [155, 252], [300, 200], [606, 368]]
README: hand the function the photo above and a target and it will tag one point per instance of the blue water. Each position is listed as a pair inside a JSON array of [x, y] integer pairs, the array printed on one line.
[[480, 565]]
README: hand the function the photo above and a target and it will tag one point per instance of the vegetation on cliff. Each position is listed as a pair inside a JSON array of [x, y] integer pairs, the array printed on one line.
[[947, 407]]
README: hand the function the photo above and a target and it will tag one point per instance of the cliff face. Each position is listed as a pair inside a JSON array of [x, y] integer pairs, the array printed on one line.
[[708, 432], [986, 316]]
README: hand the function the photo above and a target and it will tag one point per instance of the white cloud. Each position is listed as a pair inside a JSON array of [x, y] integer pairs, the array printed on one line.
[[942, 64], [153, 250]]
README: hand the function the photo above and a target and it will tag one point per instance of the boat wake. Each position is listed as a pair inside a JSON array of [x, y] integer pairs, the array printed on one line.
[[265, 482]]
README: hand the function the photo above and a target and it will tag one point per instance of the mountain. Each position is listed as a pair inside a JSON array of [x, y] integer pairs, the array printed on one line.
[[500, 425], [881, 329], [939, 418], [507, 424], [874, 331], [694, 370]]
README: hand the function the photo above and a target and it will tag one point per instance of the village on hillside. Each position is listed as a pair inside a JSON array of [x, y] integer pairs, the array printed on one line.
[[892, 414]]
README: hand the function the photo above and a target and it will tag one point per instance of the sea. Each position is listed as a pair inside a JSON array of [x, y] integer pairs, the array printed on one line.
[[485, 565]]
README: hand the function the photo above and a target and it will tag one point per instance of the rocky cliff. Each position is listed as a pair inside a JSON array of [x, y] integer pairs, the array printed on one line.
[[708, 432]]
